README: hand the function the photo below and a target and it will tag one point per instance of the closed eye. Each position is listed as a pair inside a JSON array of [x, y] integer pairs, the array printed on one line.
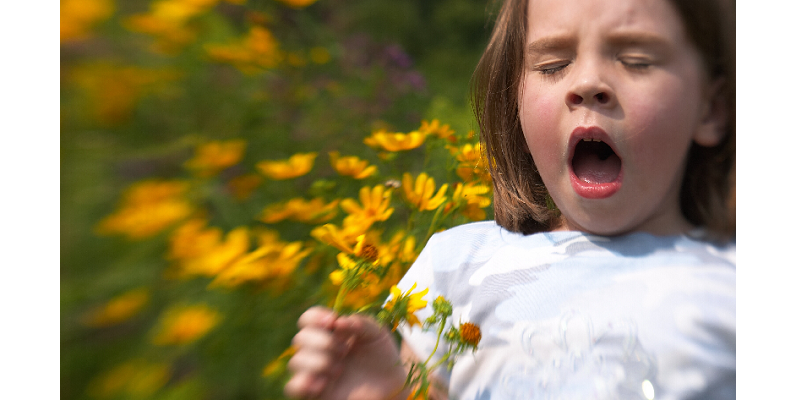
[[551, 69]]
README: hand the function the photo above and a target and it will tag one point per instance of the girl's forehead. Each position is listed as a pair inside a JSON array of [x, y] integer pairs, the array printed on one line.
[[593, 17]]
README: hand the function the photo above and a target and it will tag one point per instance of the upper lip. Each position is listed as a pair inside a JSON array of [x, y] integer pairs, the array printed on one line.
[[589, 132]]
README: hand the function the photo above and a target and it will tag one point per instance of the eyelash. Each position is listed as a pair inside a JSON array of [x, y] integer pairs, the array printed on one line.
[[552, 70]]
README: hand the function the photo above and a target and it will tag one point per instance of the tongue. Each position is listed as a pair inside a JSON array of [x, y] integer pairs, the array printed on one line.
[[594, 166]]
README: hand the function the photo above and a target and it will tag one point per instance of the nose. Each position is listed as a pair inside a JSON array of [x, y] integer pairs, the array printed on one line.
[[590, 87]]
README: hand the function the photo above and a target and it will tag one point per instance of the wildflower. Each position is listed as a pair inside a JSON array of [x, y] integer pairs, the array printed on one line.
[[470, 334], [330, 234], [242, 186], [314, 211], [147, 208], [272, 259], [436, 128], [471, 164], [352, 166], [211, 260], [182, 325], [119, 309], [402, 306], [138, 378], [442, 306], [256, 51], [297, 165], [470, 199], [395, 141], [420, 193], [168, 22], [211, 158], [374, 207], [79, 16]]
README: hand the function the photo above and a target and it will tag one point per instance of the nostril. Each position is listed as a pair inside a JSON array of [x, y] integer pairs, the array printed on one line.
[[575, 99], [601, 97]]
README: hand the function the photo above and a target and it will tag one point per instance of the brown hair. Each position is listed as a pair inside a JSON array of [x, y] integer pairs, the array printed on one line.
[[521, 201]]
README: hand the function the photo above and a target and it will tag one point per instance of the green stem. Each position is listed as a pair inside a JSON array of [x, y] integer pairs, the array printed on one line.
[[337, 305], [434, 221], [438, 338]]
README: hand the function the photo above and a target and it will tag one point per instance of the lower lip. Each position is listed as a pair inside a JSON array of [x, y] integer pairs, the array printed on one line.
[[595, 190]]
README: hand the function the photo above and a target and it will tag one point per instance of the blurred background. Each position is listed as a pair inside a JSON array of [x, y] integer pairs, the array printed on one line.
[[179, 123]]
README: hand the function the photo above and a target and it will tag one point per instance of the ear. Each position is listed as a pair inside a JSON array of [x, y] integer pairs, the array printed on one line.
[[711, 129]]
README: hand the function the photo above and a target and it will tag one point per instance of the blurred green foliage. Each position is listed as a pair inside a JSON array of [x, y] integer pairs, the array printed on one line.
[[138, 96]]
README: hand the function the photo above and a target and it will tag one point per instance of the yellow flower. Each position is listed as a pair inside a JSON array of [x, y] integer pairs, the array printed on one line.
[[345, 263], [147, 208], [402, 306], [395, 141], [168, 21], [253, 53], [213, 157], [273, 259], [314, 211], [297, 165], [471, 200], [374, 207], [138, 377], [471, 163], [330, 234], [119, 309], [352, 166], [214, 258], [436, 128], [181, 325], [79, 16], [420, 193]]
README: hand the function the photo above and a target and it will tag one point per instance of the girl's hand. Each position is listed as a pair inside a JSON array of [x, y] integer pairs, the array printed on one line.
[[344, 358]]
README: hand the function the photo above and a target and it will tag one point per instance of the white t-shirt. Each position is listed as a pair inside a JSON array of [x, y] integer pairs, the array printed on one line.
[[568, 315]]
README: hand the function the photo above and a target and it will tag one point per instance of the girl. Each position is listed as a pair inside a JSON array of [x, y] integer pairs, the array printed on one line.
[[609, 271]]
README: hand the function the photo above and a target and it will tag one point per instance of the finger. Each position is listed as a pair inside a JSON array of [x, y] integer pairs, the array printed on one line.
[[314, 362], [359, 326], [320, 340], [305, 386], [319, 317]]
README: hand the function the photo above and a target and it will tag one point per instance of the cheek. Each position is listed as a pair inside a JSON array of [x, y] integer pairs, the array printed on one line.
[[539, 117]]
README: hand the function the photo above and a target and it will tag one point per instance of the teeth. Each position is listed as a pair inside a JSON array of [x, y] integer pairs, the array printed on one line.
[[591, 140]]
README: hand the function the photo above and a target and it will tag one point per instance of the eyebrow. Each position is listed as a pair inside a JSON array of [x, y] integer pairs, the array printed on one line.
[[550, 43]]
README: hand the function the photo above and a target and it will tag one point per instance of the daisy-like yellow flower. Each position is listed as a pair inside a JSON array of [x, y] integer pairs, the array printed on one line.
[[212, 157], [297, 165], [213, 259], [272, 259], [395, 141], [313, 211], [471, 164], [351, 166], [256, 51], [374, 207], [79, 16], [182, 325], [147, 208], [402, 306], [420, 192], [437, 128], [332, 235], [471, 198], [119, 308], [139, 378]]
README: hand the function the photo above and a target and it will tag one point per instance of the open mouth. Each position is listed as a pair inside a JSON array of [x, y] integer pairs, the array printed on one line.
[[594, 162]]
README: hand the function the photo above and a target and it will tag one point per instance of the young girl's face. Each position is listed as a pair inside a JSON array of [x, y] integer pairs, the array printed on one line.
[[612, 96]]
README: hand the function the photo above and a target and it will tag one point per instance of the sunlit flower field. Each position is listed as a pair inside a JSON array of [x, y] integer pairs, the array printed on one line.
[[226, 164]]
